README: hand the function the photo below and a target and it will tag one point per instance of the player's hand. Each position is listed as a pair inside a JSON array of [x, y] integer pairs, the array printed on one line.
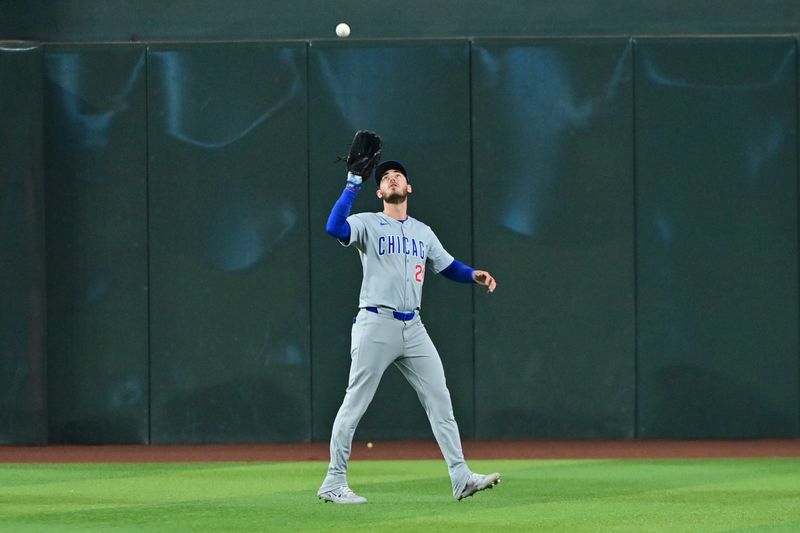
[[354, 182], [482, 277]]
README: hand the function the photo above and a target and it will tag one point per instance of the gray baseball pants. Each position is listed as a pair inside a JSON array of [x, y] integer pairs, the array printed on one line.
[[378, 340]]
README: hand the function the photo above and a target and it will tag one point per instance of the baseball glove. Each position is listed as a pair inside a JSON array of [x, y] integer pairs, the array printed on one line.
[[365, 153]]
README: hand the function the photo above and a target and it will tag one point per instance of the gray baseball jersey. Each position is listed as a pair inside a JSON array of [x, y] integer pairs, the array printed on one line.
[[393, 256]]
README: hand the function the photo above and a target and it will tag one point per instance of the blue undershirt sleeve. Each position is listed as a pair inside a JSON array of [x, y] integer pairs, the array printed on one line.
[[337, 225], [458, 271]]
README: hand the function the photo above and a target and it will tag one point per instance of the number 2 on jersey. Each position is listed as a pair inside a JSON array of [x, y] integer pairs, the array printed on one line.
[[420, 273]]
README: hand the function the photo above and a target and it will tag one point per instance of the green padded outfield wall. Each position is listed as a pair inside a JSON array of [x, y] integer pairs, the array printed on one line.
[[553, 197], [416, 94], [23, 394], [716, 165], [229, 254], [96, 176], [642, 224]]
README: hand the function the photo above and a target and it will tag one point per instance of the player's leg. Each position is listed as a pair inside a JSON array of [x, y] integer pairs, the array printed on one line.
[[375, 342], [423, 369]]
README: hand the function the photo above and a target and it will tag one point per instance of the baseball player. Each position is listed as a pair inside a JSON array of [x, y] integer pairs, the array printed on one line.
[[394, 249]]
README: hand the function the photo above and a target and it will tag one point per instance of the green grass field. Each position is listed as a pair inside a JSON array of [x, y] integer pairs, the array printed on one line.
[[576, 495]]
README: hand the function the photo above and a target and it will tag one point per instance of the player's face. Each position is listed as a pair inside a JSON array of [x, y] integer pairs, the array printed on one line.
[[394, 187]]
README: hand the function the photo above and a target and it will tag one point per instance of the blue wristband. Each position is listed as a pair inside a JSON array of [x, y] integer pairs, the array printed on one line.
[[354, 182]]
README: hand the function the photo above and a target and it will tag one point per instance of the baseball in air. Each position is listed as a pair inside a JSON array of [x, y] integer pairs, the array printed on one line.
[[369, 445], [343, 30]]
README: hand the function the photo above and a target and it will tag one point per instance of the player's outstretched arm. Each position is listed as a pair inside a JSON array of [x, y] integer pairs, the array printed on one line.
[[337, 224], [458, 271]]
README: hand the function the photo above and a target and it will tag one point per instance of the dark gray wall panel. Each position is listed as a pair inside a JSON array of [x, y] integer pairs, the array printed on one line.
[[416, 95], [193, 20], [229, 264], [553, 197], [716, 124], [23, 395], [96, 182]]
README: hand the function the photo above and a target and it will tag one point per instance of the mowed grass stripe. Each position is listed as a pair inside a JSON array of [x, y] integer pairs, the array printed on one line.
[[555, 495]]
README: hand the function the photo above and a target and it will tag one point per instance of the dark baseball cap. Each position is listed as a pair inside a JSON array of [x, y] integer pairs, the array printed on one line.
[[388, 165]]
